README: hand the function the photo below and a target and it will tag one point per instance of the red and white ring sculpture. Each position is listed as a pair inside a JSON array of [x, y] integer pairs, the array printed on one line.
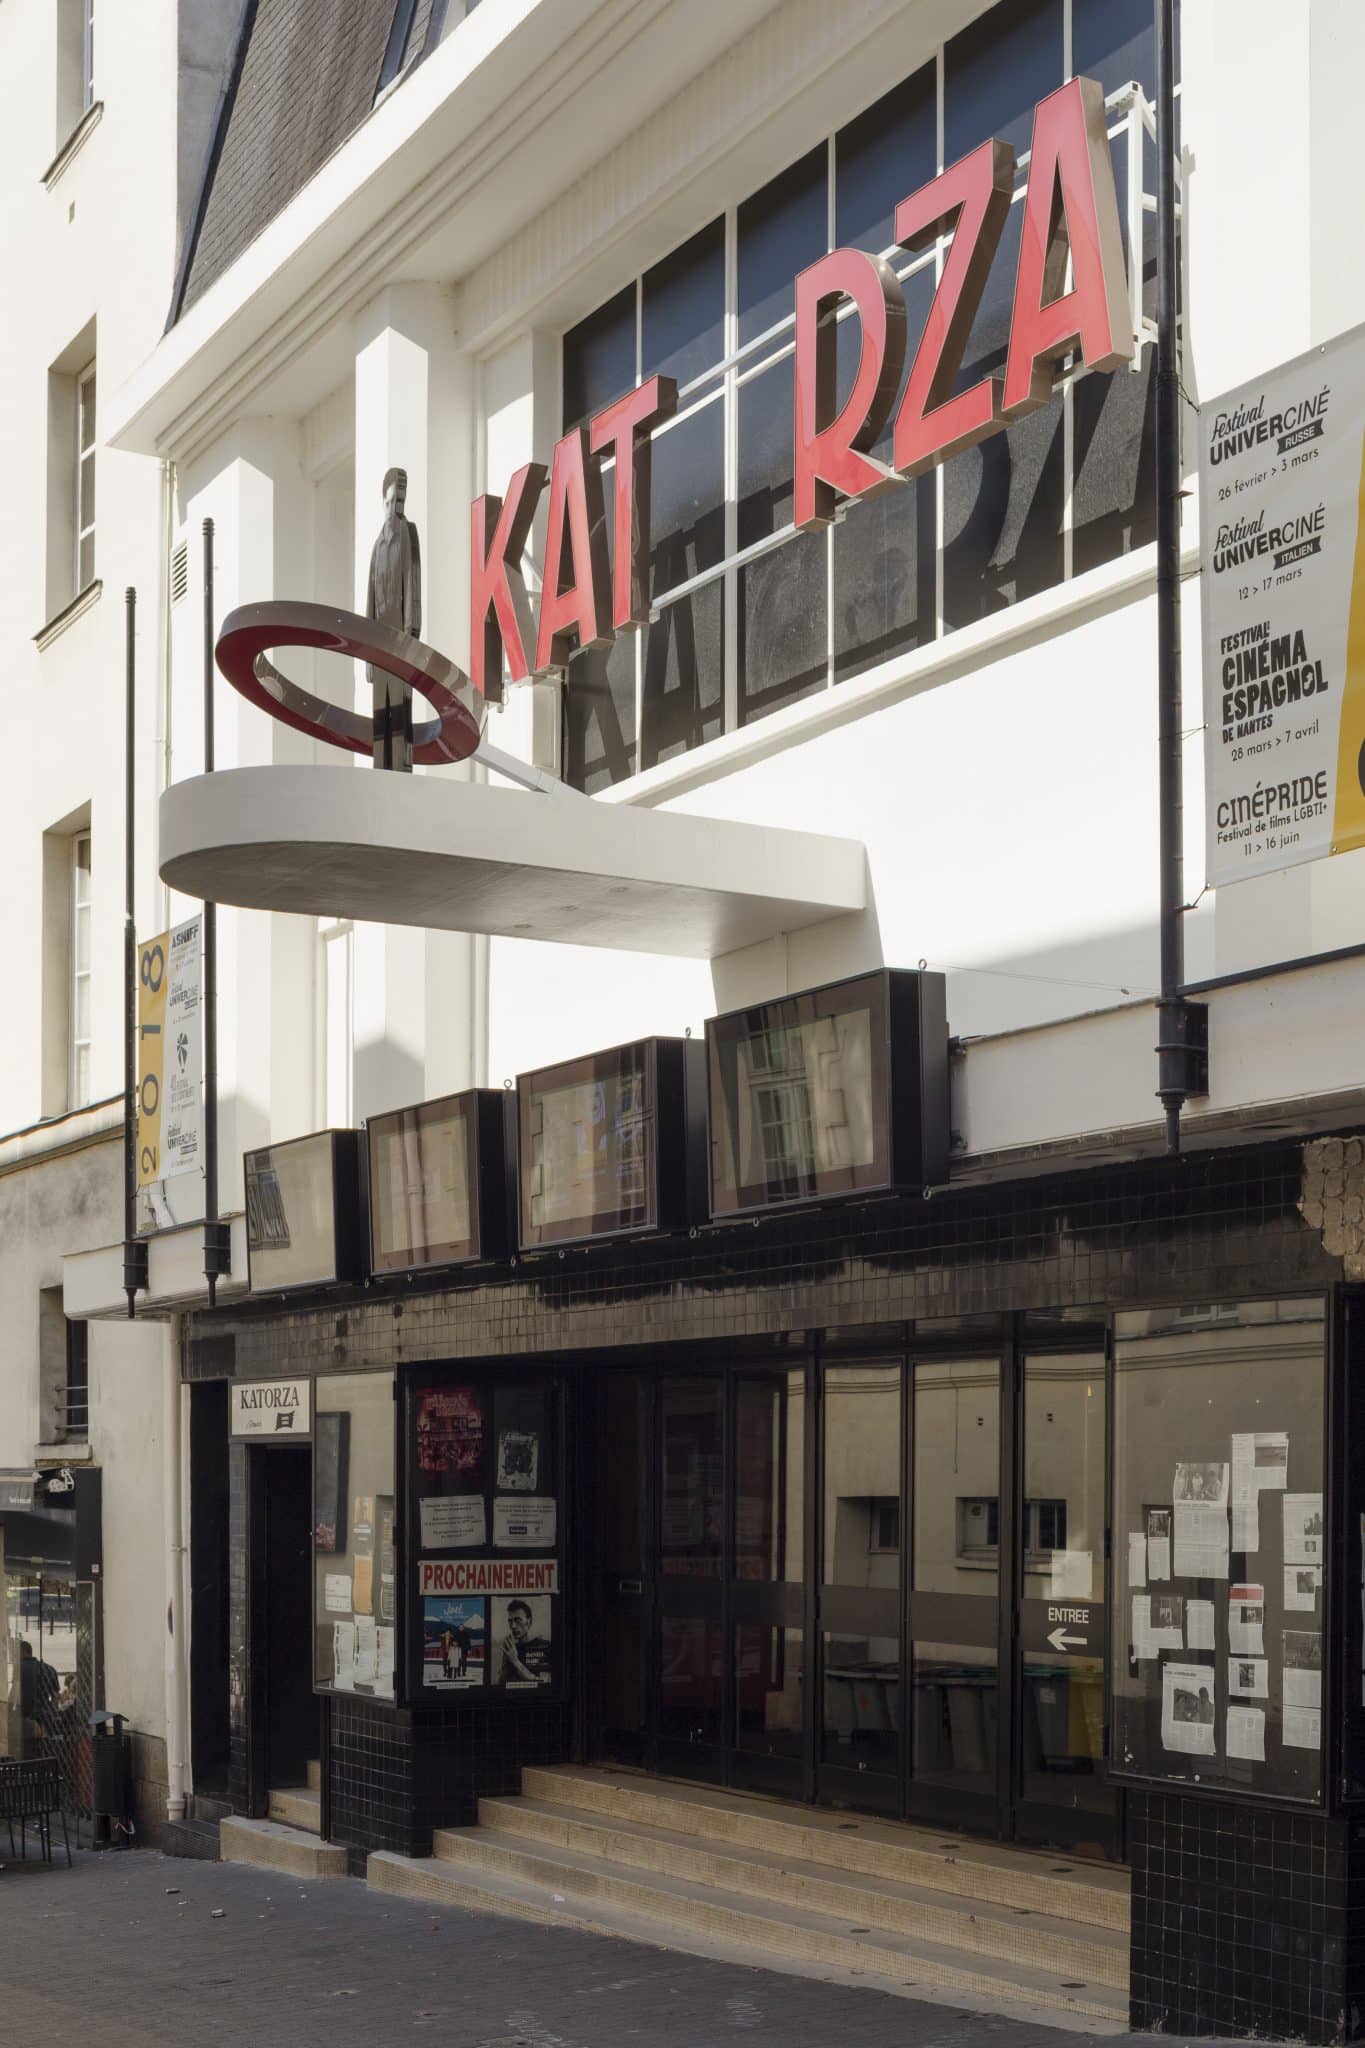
[[453, 735]]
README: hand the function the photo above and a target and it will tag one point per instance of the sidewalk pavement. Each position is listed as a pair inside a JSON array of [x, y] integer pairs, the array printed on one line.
[[139, 1950]]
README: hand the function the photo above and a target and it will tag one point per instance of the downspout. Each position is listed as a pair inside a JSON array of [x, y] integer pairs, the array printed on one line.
[[174, 1551]]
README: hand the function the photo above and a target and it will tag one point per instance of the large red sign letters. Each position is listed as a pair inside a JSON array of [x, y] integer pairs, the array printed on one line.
[[1069, 297]]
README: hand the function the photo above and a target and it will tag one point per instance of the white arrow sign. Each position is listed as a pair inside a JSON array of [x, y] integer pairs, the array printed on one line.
[[1060, 1640]]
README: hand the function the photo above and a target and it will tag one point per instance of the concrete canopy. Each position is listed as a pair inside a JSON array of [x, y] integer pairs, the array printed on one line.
[[472, 857]]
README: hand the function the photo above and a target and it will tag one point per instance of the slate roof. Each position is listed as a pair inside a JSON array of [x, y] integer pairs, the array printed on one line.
[[304, 78]]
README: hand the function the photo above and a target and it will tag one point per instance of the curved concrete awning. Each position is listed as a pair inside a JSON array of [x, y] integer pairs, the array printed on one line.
[[475, 857]]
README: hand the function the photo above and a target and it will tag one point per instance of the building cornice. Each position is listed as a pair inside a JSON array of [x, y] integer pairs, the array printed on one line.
[[96, 1124]]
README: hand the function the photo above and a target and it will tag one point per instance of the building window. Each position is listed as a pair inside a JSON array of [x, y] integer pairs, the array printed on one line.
[[88, 57], [978, 1530], [79, 1089], [85, 478], [418, 26], [748, 615], [885, 1529], [75, 28], [76, 1424], [63, 1373]]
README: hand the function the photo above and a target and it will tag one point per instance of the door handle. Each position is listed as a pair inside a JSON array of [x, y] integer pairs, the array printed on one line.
[[630, 1586]]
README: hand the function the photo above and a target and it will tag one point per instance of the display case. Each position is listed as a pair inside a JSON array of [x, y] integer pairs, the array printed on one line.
[[355, 1549], [442, 1182], [612, 1145], [840, 1090], [305, 1212], [484, 1490]]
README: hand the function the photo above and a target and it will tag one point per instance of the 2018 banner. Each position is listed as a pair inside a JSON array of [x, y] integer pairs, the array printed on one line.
[[1282, 547], [170, 1058]]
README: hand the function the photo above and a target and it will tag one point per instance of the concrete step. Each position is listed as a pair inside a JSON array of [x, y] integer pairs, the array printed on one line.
[[193, 1838], [1064, 1888], [499, 1876], [273, 1847], [977, 1927], [296, 1806], [313, 1775]]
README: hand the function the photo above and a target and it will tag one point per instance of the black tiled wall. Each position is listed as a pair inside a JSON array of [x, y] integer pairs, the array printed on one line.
[[396, 1776], [1245, 1921]]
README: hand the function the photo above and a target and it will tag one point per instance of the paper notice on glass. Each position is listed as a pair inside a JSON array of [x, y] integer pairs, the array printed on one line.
[[343, 1655], [1167, 1621], [366, 1650], [1137, 1562], [453, 1522], [1246, 1734], [384, 1666], [529, 1522], [1246, 1526], [1246, 1621], [1199, 1624], [1201, 1540], [1142, 1644], [1302, 1668], [1158, 1544], [1303, 1528], [1204, 1483], [336, 1592], [1301, 1728], [1248, 1678], [1260, 1461], [1187, 1708], [1073, 1573], [1301, 1582]]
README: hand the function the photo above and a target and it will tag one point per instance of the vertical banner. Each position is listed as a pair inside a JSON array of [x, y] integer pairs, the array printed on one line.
[[1281, 478], [170, 1072]]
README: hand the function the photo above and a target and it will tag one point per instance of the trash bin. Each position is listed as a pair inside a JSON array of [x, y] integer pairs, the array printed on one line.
[[110, 1772]]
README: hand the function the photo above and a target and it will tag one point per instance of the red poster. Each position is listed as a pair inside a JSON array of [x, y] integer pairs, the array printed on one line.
[[450, 1431]]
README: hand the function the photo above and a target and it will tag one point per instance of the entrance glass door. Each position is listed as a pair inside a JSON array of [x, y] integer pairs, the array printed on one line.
[[955, 1606], [1062, 1794], [859, 1755], [766, 1581], [691, 1640]]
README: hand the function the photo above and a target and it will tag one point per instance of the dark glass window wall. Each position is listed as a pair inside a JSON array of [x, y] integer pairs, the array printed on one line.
[[732, 640]]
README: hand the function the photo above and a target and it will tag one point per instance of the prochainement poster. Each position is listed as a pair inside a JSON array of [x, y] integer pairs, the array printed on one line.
[[1282, 546]]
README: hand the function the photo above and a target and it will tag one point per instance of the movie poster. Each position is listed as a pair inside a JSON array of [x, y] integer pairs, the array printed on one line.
[[454, 1643], [450, 1434], [522, 1629], [520, 1417]]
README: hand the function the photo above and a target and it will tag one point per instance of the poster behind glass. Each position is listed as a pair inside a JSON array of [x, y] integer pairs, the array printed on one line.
[[1219, 1545], [291, 1213], [422, 1210], [355, 1546], [485, 1534], [589, 1149]]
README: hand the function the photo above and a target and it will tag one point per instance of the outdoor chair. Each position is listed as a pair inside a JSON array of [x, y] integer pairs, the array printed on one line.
[[33, 1792]]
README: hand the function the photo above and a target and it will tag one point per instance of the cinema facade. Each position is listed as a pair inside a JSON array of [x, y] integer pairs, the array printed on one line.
[[722, 1313]]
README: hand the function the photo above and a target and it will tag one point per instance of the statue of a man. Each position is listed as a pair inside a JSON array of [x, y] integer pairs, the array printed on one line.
[[394, 597]]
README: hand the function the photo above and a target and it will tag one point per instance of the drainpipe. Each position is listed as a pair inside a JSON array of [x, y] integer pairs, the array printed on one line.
[[175, 1567]]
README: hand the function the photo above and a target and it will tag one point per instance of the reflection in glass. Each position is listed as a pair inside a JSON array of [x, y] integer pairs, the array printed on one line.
[[693, 1504], [770, 1413], [886, 153], [690, 1680], [860, 1710], [769, 1689], [794, 1102], [956, 1496], [590, 1147], [683, 308], [781, 229], [684, 648], [420, 1185], [599, 358]]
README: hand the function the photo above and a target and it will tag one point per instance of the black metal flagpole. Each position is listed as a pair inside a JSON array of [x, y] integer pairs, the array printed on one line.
[[217, 1241], [1182, 1026]]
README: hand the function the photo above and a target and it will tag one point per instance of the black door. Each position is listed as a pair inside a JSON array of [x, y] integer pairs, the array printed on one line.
[[291, 1707], [624, 1561]]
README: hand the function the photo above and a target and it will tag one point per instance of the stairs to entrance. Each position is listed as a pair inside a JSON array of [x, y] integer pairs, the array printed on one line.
[[299, 1806], [789, 1887]]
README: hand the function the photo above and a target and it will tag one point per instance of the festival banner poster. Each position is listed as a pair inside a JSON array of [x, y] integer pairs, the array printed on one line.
[[1282, 554]]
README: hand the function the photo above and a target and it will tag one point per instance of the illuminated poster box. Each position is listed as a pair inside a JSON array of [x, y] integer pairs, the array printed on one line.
[[613, 1144], [440, 1182], [305, 1224], [841, 1090]]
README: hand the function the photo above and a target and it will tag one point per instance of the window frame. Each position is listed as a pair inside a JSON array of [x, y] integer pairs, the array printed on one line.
[[83, 500], [87, 56], [78, 977]]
